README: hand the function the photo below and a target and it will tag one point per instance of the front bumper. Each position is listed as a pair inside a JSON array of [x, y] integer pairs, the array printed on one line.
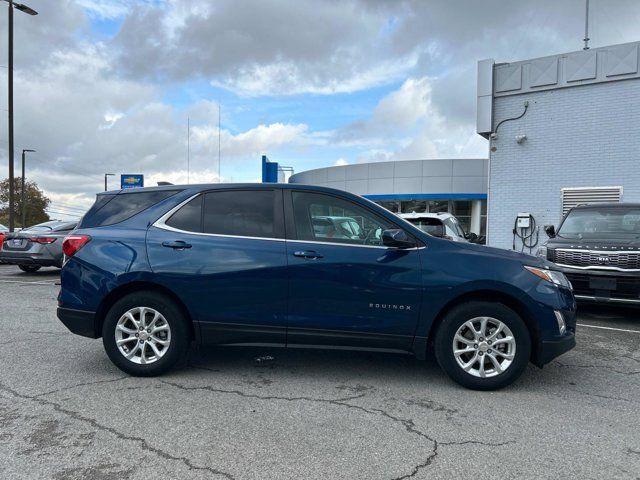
[[550, 349], [626, 291], [79, 322]]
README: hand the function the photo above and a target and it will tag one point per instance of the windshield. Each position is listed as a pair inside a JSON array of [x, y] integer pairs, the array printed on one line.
[[432, 226], [453, 228], [601, 222]]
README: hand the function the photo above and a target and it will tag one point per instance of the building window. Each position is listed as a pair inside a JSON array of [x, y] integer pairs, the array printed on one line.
[[417, 206], [391, 205], [462, 211], [437, 206]]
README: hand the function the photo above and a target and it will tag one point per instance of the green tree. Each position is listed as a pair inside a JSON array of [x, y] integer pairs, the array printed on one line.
[[36, 202]]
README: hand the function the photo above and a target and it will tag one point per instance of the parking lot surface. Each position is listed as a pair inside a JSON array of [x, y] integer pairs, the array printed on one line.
[[254, 413]]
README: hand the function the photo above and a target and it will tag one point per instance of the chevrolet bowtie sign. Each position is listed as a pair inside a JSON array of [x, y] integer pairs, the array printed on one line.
[[131, 181]]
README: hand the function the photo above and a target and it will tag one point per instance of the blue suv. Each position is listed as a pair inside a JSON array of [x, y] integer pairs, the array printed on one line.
[[152, 270]]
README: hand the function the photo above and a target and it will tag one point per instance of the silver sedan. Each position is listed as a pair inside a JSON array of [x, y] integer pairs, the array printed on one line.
[[37, 246]]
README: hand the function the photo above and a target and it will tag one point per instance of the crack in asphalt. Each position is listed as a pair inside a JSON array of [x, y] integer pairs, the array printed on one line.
[[408, 424], [94, 423], [97, 382], [606, 367]]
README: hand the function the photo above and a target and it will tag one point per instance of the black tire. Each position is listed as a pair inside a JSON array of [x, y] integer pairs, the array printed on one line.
[[456, 318], [29, 268], [179, 341]]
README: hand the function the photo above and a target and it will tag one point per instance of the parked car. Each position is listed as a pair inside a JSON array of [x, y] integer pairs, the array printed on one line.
[[441, 224], [597, 246], [37, 246], [3, 231], [151, 269]]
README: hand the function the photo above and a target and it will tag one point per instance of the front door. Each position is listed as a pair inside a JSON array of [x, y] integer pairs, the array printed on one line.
[[345, 287], [223, 253]]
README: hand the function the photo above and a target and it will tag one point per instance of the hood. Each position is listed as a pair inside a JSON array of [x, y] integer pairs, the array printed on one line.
[[595, 243], [524, 258]]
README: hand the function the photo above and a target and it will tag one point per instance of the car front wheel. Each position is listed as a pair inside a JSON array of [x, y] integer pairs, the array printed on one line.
[[145, 334], [483, 345]]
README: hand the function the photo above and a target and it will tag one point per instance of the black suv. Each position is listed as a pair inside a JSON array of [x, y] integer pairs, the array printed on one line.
[[598, 248]]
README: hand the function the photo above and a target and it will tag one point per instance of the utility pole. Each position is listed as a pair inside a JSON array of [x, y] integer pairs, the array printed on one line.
[[23, 200], [219, 130], [10, 92], [30, 11], [188, 147], [586, 26]]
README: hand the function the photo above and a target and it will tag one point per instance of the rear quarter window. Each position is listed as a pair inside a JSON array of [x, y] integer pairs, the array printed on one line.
[[120, 207]]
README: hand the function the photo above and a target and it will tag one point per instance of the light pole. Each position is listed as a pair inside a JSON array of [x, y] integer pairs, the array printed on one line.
[[30, 11], [22, 199], [105, 179]]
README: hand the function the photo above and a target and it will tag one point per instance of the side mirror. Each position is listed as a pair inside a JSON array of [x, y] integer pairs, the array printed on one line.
[[397, 238], [550, 230], [472, 237]]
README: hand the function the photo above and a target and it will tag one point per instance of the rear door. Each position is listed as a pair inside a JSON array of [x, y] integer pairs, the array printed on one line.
[[348, 289], [223, 252]]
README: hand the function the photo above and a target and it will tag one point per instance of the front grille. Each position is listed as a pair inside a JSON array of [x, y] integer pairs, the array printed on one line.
[[585, 258], [627, 288]]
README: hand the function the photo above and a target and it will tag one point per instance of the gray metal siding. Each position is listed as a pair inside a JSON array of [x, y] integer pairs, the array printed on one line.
[[440, 176]]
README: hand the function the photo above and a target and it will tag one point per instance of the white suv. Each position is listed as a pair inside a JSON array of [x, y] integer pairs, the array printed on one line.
[[443, 225]]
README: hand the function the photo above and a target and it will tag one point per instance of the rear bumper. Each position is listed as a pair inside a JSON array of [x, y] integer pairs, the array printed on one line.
[[15, 258], [79, 322], [550, 349]]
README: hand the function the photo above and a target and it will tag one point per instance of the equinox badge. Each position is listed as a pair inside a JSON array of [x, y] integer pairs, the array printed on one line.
[[389, 306]]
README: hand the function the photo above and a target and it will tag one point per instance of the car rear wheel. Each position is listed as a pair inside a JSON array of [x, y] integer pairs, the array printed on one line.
[[29, 268], [483, 345], [145, 334]]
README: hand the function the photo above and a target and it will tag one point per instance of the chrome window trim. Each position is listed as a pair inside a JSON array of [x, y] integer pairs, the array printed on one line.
[[599, 267], [317, 242], [161, 223]]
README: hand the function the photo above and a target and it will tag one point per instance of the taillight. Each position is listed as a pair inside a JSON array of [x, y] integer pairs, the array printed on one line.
[[45, 240], [72, 243]]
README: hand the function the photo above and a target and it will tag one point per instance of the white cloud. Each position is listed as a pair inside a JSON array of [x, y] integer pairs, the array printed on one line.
[[399, 111], [341, 162]]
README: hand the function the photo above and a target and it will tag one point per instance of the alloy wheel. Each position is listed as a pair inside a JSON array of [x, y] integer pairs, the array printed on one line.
[[484, 347], [142, 335]]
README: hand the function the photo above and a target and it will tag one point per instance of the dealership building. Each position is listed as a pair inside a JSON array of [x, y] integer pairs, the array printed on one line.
[[563, 130], [458, 186]]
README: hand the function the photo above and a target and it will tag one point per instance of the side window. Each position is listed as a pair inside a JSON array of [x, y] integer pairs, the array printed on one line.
[[188, 217], [324, 218], [246, 213], [112, 209]]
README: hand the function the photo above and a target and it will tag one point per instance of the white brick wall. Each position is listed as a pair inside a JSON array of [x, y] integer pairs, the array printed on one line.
[[582, 136]]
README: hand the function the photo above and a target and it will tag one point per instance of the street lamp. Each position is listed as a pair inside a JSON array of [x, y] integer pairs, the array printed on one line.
[[22, 199], [105, 179], [30, 11]]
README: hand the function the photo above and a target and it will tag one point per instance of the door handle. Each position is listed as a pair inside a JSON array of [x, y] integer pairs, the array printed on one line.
[[177, 245], [308, 254]]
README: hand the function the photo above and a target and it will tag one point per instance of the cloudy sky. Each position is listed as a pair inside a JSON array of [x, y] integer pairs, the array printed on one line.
[[108, 85]]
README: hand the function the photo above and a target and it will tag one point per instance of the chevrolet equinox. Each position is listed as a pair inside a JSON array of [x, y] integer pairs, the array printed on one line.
[[151, 270]]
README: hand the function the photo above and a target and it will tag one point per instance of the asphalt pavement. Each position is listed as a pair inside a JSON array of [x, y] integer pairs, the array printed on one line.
[[255, 413]]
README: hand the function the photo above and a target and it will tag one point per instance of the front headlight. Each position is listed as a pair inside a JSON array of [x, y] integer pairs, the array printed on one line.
[[553, 276], [542, 252]]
